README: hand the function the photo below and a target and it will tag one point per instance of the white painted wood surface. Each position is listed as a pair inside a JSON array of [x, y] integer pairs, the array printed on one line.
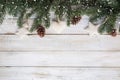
[[70, 55], [60, 59], [38, 73], [59, 42]]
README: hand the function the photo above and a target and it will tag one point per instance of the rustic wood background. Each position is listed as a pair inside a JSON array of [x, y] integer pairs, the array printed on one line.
[[70, 55]]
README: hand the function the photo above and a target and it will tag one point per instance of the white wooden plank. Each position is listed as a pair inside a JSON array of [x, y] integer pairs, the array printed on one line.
[[61, 59], [59, 73], [59, 42], [10, 26]]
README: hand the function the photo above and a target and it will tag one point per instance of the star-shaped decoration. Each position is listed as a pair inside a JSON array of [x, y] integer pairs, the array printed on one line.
[[92, 29]]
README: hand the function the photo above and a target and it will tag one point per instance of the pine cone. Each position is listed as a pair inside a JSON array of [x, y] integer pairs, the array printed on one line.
[[76, 19], [113, 33], [41, 31]]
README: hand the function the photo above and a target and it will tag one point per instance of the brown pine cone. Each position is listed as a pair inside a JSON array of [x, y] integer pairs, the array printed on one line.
[[41, 31], [75, 20], [113, 33]]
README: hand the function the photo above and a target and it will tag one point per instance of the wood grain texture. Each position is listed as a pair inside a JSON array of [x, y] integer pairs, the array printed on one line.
[[60, 59], [35, 73], [69, 55], [59, 42]]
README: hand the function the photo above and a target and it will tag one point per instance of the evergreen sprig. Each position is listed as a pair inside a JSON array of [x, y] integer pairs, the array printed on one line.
[[96, 9]]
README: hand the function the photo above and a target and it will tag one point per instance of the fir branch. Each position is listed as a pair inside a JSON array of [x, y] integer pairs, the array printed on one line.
[[96, 9], [2, 13]]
